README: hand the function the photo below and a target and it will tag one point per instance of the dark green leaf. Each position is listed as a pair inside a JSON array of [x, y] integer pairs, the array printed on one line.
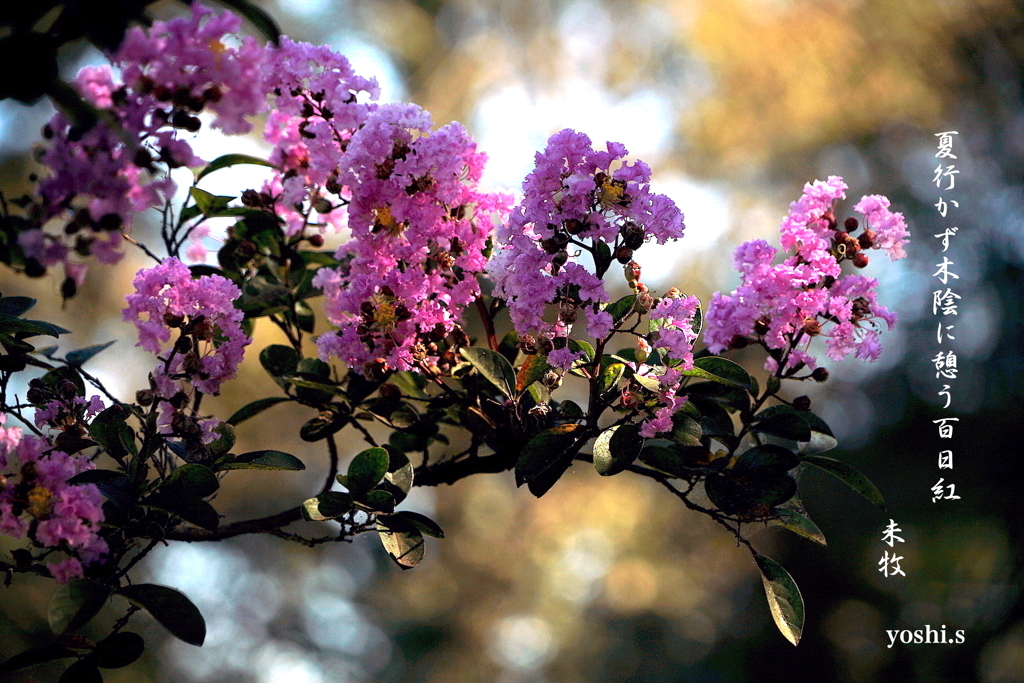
[[110, 430], [848, 475], [721, 370], [616, 448], [264, 460], [82, 671], [399, 477], [367, 470], [193, 479], [255, 408], [494, 367], [37, 655], [279, 360], [171, 609], [767, 459], [53, 378], [792, 516], [117, 487], [685, 430], [784, 599], [379, 501], [327, 505], [231, 160], [578, 345], [621, 308], [421, 522], [323, 425], [118, 650], [749, 492], [29, 328], [602, 256], [15, 306], [554, 447], [74, 604], [665, 459], [401, 539], [80, 356], [189, 508]]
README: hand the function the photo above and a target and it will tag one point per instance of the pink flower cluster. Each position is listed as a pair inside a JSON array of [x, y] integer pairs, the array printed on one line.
[[786, 305], [99, 177], [672, 318], [210, 342], [575, 198], [317, 104], [37, 501], [419, 226]]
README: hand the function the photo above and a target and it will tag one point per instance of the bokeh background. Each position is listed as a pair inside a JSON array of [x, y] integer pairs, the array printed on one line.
[[735, 104]]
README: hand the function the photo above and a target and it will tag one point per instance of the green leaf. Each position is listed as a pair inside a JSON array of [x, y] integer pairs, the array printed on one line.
[[378, 501], [401, 539], [117, 487], [323, 425], [784, 599], [784, 426], [209, 203], [29, 328], [721, 370], [616, 448], [80, 356], [399, 477], [327, 505], [493, 366], [767, 459], [421, 522], [74, 604], [231, 160], [110, 430], [578, 345], [792, 516], [621, 308], [611, 373], [279, 360], [367, 470], [665, 459], [37, 655], [118, 650], [190, 508], [849, 475], [754, 492], [15, 306], [264, 460], [532, 370], [255, 408], [170, 608], [685, 430], [546, 457], [193, 479], [602, 256]]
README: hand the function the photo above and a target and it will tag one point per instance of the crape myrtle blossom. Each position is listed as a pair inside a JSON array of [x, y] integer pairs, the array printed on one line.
[[210, 342], [785, 305], [419, 228], [37, 501], [100, 176], [673, 318], [318, 103], [575, 198]]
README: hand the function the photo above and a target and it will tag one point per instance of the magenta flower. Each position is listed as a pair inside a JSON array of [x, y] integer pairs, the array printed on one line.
[[573, 199], [419, 227], [785, 305], [202, 311]]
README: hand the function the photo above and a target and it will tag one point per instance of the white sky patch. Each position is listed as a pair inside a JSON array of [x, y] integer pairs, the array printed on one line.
[[369, 60]]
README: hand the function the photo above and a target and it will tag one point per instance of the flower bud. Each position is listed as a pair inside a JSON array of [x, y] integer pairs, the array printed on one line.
[[623, 255], [860, 260], [35, 395], [830, 218], [802, 403], [738, 342], [316, 241], [144, 397], [632, 271], [812, 327], [632, 235], [67, 389], [761, 325], [389, 390], [850, 224], [551, 379], [819, 374], [867, 239], [545, 345], [527, 344]]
